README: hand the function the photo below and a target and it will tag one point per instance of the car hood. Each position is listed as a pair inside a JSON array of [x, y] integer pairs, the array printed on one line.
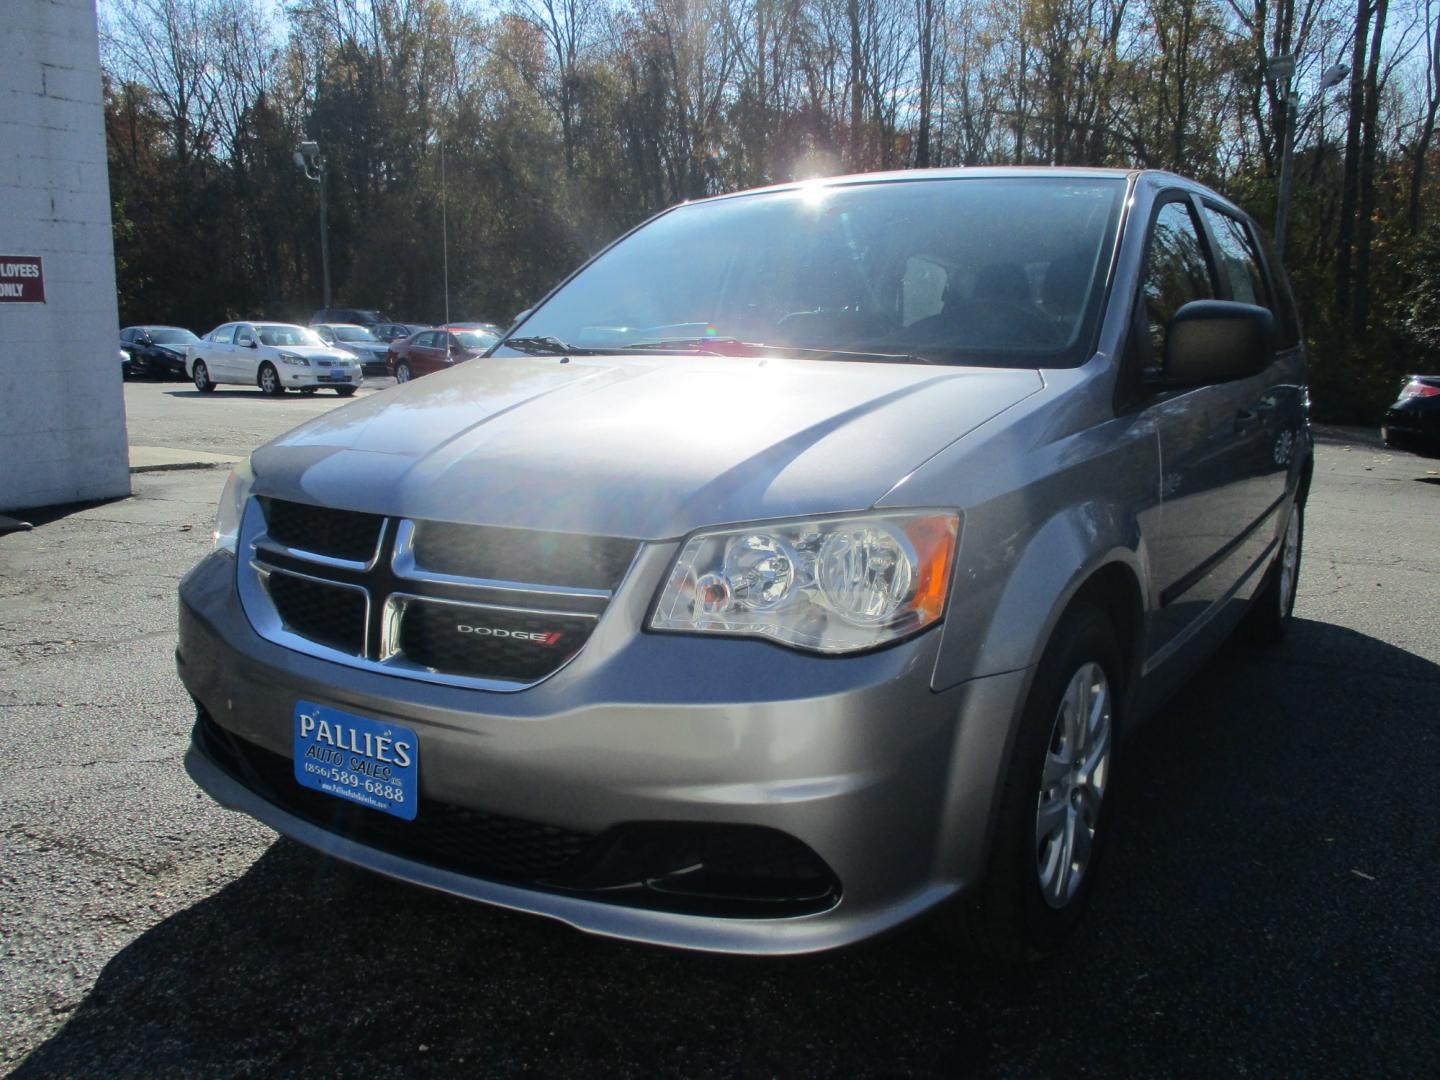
[[646, 447], [363, 346], [316, 352]]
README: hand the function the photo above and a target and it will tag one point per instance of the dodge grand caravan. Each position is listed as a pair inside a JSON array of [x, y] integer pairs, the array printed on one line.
[[794, 569]]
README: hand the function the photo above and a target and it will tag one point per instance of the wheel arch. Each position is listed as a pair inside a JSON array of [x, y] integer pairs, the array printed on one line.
[[1085, 554]]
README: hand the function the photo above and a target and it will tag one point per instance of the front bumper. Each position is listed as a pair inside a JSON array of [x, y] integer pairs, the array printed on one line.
[[889, 783], [310, 376], [169, 363]]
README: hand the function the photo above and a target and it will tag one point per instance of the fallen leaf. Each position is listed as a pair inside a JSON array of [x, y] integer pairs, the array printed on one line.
[[1362, 874]]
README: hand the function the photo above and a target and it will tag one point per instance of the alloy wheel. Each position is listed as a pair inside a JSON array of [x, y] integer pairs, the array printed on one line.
[[1290, 562], [1072, 785]]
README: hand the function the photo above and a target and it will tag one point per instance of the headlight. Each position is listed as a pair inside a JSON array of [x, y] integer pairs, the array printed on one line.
[[291, 358], [232, 506], [833, 585]]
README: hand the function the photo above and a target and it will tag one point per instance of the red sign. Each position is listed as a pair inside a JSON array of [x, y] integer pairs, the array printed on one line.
[[22, 279]]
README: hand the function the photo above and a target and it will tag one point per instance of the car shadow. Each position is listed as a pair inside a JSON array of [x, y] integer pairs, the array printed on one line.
[[254, 392], [1271, 882], [46, 515]]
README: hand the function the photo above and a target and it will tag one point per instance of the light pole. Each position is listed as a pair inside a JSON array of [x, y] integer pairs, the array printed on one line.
[[444, 232], [312, 162], [1282, 70]]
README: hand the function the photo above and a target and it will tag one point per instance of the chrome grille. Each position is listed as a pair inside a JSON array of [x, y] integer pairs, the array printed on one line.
[[499, 609], [522, 555], [321, 530], [331, 614]]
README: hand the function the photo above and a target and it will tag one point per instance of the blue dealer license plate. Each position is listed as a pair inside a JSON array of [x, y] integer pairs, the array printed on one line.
[[354, 758]]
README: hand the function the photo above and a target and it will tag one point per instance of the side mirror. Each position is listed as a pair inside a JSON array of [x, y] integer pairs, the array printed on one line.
[[253, 344], [1211, 341], [518, 319]]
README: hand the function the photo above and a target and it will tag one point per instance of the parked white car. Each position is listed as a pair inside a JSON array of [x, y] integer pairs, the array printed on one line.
[[357, 340], [273, 356]]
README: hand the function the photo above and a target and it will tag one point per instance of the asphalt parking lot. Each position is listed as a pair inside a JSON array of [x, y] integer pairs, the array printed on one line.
[[228, 420], [1269, 905]]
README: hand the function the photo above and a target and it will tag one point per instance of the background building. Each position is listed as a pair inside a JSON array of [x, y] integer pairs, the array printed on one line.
[[62, 409]]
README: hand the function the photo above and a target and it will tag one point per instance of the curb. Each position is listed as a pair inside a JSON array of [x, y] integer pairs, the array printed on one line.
[[180, 466], [144, 459]]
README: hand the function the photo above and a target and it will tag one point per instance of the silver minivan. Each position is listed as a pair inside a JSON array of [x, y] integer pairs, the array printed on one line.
[[796, 568]]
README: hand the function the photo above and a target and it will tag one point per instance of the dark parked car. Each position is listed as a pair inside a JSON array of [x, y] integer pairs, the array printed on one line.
[[394, 331], [435, 350], [358, 316], [156, 351], [1413, 422]]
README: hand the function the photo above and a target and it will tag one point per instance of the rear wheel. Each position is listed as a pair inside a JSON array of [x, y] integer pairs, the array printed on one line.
[[1272, 612], [201, 375], [269, 380], [1054, 807], [402, 372]]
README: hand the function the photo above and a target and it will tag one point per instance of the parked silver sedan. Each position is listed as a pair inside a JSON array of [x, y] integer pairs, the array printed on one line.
[[359, 341], [795, 569]]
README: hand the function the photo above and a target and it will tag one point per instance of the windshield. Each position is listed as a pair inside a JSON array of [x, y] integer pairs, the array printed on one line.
[[991, 270], [354, 333], [278, 334], [161, 335], [474, 339]]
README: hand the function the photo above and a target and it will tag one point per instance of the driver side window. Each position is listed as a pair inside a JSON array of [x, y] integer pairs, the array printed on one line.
[[922, 289], [1176, 272]]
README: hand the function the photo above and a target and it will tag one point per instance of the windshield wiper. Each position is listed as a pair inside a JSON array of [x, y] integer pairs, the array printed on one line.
[[546, 345], [736, 347]]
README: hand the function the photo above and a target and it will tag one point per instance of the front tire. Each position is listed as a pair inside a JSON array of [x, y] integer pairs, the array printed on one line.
[[345, 391], [402, 372], [1055, 804], [201, 374], [268, 380]]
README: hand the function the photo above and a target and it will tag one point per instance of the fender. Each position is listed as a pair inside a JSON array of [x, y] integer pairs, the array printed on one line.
[[1060, 556]]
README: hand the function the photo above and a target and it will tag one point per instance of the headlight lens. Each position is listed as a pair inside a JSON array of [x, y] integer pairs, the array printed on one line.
[[834, 585], [291, 358], [232, 506]]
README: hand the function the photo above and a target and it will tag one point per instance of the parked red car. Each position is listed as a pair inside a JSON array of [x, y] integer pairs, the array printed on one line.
[[435, 350]]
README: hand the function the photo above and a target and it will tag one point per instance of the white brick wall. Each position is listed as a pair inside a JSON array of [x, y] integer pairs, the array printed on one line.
[[62, 409]]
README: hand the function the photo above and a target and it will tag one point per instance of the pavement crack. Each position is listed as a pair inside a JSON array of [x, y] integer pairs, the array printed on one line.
[[165, 759]]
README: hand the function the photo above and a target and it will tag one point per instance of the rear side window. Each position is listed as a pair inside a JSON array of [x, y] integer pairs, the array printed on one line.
[[1238, 263], [1176, 271]]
